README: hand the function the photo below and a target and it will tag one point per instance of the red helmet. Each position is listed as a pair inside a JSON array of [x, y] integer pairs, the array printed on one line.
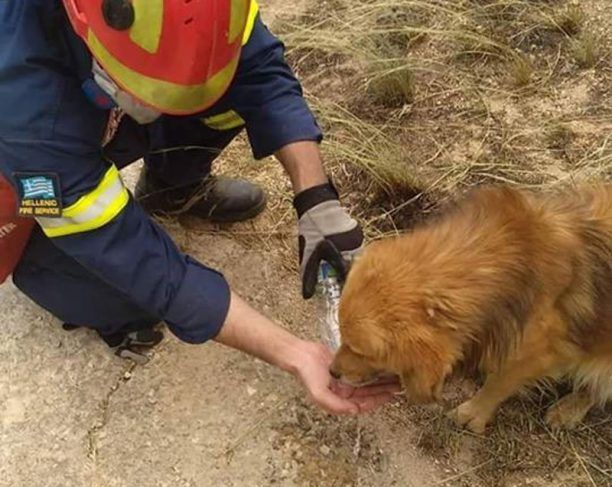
[[176, 56]]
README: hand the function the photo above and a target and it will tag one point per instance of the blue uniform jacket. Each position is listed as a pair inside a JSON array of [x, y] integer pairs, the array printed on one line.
[[49, 127]]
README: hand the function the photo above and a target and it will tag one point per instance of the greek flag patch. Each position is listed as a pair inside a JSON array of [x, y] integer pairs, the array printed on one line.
[[39, 195]]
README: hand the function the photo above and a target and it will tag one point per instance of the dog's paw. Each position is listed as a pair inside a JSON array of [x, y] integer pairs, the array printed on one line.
[[569, 411], [470, 416]]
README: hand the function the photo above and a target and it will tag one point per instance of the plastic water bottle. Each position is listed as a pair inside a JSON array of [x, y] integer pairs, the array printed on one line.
[[327, 301]]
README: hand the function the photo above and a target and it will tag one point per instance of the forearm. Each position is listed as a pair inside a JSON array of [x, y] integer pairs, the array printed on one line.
[[247, 330], [303, 163]]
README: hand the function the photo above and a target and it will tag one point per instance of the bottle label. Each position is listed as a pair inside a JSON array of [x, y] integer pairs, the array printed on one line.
[[329, 299]]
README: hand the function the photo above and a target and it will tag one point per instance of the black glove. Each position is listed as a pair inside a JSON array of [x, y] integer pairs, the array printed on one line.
[[326, 233]]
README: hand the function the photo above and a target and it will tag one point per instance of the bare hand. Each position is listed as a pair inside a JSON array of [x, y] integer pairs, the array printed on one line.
[[334, 398], [247, 330]]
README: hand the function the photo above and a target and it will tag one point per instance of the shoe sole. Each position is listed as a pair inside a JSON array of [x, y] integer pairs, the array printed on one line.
[[243, 216], [248, 214]]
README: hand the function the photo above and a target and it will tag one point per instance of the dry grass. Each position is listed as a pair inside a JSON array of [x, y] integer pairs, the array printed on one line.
[[586, 51], [436, 96], [518, 449]]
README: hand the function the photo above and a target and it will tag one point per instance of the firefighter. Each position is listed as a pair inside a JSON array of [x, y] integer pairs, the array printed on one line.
[[89, 86]]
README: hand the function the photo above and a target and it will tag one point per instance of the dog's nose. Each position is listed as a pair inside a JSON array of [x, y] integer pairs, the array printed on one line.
[[334, 374]]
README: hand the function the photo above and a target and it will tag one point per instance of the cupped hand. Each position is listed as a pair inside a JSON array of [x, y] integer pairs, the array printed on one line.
[[335, 398]]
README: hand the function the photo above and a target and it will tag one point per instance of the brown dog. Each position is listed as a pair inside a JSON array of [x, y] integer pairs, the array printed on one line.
[[511, 283]]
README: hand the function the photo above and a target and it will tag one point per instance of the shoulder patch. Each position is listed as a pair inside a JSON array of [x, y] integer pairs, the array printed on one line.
[[39, 195]]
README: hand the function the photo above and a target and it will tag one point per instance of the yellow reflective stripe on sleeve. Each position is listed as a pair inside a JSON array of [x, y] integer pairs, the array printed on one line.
[[224, 121], [92, 211], [148, 22], [250, 23]]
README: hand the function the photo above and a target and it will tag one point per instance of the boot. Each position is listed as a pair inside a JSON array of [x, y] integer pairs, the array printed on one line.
[[129, 343], [216, 198]]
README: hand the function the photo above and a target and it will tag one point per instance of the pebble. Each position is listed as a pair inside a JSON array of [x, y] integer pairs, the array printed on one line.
[[325, 450]]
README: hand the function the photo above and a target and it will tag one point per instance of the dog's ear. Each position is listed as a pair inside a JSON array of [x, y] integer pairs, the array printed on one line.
[[366, 338], [378, 345]]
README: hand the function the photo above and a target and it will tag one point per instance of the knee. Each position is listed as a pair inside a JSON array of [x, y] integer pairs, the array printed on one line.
[[25, 277]]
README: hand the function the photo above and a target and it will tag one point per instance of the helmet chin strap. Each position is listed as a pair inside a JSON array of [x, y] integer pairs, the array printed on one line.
[[126, 102]]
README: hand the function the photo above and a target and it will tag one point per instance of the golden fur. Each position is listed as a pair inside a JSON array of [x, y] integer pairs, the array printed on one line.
[[515, 284]]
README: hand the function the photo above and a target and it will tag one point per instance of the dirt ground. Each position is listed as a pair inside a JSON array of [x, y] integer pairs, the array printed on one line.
[[71, 414]]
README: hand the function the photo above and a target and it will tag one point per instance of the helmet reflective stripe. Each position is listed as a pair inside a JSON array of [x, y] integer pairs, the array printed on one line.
[[147, 28], [238, 18], [91, 211], [250, 23], [166, 96]]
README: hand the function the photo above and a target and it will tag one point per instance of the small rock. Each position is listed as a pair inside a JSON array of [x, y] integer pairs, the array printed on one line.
[[325, 450], [251, 391], [127, 375]]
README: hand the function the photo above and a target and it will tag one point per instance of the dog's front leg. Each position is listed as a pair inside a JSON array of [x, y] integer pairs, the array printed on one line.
[[531, 360], [570, 410], [478, 411]]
